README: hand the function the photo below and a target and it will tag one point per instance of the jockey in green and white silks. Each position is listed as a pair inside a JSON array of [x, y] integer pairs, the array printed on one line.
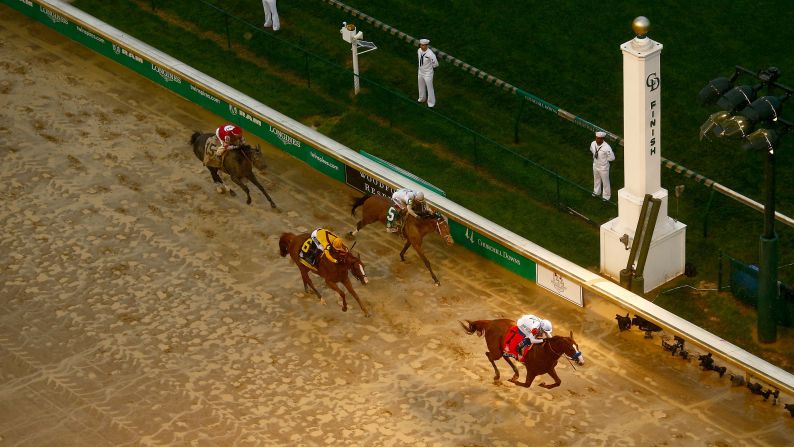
[[406, 201]]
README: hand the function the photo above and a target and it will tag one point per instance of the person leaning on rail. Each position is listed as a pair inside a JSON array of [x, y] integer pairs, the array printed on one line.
[[602, 156]]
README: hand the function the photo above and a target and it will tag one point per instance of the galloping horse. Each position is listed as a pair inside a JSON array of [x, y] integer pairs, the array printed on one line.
[[237, 163], [332, 272], [541, 359], [374, 209]]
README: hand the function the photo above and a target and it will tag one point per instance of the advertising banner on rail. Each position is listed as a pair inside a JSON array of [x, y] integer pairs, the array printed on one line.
[[491, 250], [560, 285]]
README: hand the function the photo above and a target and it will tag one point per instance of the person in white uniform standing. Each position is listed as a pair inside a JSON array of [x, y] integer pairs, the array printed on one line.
[[427, 65], [271, 14], [602, 155]]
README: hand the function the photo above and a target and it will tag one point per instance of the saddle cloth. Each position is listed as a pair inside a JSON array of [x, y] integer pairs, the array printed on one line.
[[309, 248], [512, 338], [210, 159]]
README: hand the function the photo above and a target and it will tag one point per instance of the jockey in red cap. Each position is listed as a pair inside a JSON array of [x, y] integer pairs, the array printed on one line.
[[229, 136]]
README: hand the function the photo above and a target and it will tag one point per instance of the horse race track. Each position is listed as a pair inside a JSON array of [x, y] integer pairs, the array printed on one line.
[[138, 306]]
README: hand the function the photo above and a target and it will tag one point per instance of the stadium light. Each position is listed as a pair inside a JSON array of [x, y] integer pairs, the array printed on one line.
[[716, 87], [743, 112], [739, 97]]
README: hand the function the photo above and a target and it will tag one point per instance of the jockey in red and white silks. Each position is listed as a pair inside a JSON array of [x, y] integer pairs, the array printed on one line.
[[229, 136], [534, 328]]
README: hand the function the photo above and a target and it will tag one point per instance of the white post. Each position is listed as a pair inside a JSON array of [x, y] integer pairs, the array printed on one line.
[[642, 168], [356, 86], [349, 34]]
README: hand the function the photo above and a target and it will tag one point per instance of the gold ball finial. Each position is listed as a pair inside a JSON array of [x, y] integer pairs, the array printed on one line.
[[640, 26]]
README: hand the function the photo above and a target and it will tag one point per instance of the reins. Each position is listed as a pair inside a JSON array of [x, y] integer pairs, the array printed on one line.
[[561, 355]]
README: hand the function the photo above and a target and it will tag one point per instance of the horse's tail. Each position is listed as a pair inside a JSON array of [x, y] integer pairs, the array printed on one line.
[[195, 137], [478, 326], [358, 202], [283, 243]]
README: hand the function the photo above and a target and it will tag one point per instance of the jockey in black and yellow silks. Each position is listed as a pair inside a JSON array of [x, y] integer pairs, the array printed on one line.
[[324, 242]]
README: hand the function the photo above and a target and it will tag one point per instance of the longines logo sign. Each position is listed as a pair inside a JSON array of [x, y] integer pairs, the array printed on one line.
[[53, 16]]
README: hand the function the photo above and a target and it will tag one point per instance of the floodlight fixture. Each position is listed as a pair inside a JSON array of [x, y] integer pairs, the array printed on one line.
[[765, 108], [762, 140], [735, 127], [715, 120], [714, 90], [739, 97]]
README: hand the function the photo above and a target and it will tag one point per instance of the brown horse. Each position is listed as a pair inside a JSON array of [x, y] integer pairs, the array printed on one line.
[[331, 272], [237, 163], [541, 359], [374, 209]]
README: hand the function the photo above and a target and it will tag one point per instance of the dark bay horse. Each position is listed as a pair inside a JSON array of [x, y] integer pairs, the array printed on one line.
[[331, 272], [541, 359], [237, 163], [374, 209]]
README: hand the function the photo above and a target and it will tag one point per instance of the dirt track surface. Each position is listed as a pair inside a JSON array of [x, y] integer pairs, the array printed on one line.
[[140, 307]]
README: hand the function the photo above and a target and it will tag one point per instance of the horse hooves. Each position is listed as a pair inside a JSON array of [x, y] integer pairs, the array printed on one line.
[[438, 284], [273, 205], [232, 193], [322, 301]]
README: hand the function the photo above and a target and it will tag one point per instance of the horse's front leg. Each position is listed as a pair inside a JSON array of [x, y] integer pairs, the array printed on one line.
[[556, 378], [261, 188], [405, 248], [349, 288], [240, 183], [219, 185], [530, 378], [308, 281], [333, 285], [418, 249]]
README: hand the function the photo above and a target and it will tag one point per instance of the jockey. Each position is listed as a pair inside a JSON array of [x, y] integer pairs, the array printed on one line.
[[325, 241], [229, 136], [535, 329], [405, 201]]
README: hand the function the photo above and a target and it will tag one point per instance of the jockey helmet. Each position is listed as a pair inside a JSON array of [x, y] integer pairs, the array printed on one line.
[[338, 244], [546, 325], [419, 196], [230, 134]]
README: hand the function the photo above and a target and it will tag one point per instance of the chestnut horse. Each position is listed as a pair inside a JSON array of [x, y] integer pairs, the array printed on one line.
[[541, 359], [331, 272], [237, 163], [374, 209]]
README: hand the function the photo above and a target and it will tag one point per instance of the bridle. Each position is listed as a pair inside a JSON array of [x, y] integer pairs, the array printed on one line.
[[575, 356], [446, 238]]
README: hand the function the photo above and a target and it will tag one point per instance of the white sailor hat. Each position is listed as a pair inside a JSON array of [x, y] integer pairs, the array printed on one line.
[[424, 41], [600, 134]]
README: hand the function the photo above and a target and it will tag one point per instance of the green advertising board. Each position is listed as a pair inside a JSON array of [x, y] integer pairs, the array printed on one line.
[[493, 251]]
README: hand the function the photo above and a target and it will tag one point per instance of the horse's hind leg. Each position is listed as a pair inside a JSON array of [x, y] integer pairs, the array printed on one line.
[[255, 181], [359, 225], [495, 369], [515, 370], [219, 185], [307, 281], [240, 183]]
